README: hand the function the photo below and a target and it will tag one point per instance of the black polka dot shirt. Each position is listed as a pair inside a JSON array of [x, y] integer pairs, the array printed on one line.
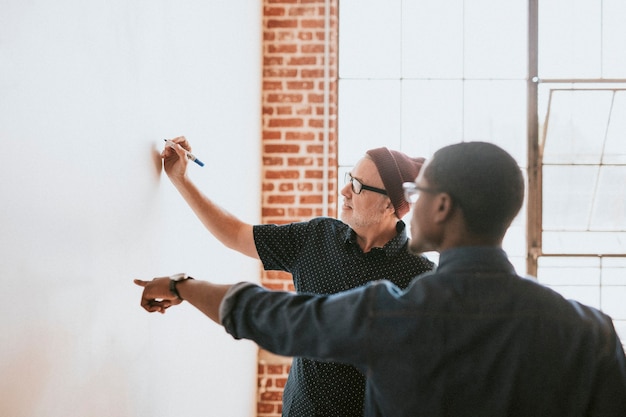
[[324, 258]]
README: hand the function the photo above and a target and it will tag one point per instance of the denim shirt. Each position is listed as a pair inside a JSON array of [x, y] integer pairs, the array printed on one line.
[[471, 339]]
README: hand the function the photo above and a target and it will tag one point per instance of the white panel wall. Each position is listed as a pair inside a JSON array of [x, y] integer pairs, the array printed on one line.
[[88, 89]]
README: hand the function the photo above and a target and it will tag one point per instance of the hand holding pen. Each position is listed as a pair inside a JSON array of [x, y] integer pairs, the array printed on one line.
[[175, 156], [172, 144]]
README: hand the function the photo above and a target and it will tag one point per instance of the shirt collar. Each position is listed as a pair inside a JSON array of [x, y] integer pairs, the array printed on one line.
[[391, 248], [475, 259]]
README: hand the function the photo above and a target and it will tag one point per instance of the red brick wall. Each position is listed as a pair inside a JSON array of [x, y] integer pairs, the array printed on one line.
[[294, 139]]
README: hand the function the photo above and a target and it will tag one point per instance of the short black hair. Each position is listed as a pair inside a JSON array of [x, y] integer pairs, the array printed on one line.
[[483, 180]]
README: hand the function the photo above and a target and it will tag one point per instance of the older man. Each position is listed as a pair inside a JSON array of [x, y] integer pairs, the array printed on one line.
[[324, 256]]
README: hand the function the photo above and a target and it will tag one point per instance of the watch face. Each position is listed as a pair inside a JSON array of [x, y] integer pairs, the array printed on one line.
[[178, 277]]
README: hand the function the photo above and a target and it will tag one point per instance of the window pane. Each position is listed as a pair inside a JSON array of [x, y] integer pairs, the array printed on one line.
[[432, 39], [609, 208], [569, 271], [613, 301], [495, 111], [369, 117], [496, 39], [576, 126], [614, 38], [570, 34], [369, 39], [615, 148], [614, 271], [613, 243], [432, 115], [568, 196]]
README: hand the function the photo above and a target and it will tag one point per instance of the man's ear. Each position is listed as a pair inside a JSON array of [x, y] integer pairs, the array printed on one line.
[[444, 207], [390, 207]]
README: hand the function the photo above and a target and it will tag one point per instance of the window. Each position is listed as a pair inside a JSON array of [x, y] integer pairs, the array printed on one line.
[[544, 79], [418, 75]]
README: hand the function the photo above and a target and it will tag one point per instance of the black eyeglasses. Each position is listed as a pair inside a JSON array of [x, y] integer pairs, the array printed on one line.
[[412, 191], [358, 186]]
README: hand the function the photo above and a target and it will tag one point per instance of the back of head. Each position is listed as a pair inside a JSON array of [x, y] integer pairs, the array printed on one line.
[[483, 180]]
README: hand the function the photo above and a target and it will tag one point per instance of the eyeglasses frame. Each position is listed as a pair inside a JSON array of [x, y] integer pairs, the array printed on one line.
[[412, 190], [349, 178]]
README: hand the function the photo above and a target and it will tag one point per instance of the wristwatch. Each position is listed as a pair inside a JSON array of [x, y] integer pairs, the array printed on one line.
[[175, 279]]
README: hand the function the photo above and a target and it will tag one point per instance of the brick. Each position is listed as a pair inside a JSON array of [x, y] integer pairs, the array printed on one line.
[[282, 23], [284, 98], [300, 85], [313, 174], [277, 275], [315, 98], [302, 11], [312, 73], [317, 123], [312, 23], [299, 135], [303, 60], [285, 186], [275, 369], [311, 199], [304, 110], [273, 161], [281, 148], [271, 396], [282, 49], [286, 122], [305, 186], [286, 36], [274, 11], [284, 110], [272, 60], [305, 36], [279, 73], [272, 85], [271, 134], [281, 199], [313, 49], [274, 287], [300, 213], [302, 161], [282, 174], [269, 212]]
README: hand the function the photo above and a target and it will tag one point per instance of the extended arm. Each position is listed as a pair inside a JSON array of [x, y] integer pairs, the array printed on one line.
[[320, 327], [227, 228], [203, 295]]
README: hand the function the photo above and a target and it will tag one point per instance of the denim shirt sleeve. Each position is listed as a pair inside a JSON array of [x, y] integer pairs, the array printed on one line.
[[330, 328]]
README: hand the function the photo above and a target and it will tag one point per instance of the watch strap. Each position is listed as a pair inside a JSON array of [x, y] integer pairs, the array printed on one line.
[[174, 280]]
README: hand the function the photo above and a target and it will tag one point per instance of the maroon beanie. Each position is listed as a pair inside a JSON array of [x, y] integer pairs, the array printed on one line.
[[395, 168]]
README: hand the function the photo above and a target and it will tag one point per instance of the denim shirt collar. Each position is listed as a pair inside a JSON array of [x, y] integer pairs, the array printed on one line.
[[475, 259]]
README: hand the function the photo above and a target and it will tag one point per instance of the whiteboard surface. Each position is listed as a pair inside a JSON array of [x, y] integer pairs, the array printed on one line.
[[88, 90]]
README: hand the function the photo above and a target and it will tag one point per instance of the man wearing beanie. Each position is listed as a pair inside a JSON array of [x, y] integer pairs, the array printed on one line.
[[324, 256]]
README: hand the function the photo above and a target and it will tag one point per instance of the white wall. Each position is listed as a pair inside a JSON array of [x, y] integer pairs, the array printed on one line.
[[88, 89]]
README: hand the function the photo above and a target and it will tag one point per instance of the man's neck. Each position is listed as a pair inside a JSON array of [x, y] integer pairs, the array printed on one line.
[[375, 237]]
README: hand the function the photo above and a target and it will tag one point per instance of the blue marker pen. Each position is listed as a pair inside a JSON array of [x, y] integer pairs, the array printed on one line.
[[189, 154]]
